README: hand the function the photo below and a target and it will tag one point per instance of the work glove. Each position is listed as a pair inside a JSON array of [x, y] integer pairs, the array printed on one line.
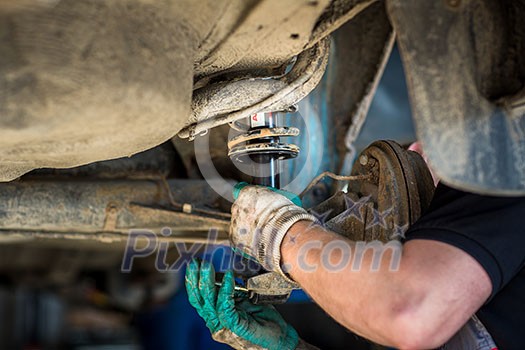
[[261, 217], [230, 316]]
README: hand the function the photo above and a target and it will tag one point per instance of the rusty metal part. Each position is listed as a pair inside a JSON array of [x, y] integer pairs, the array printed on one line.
[[106, 211], [260, 133], [244, 145], [269, 288], [332, 176], [465, 65], [266, 288], [393, 183], [284, 150], [228, 101], [398, 187]]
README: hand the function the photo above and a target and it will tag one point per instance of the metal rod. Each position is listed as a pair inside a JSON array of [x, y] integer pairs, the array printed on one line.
[[266, 166]]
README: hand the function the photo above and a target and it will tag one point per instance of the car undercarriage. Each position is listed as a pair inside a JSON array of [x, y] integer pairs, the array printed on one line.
[[116, 117]]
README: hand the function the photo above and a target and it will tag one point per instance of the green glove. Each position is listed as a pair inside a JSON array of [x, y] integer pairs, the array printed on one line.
[[231, 318]]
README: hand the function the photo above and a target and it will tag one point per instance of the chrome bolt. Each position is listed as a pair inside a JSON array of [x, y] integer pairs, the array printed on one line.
[[363, 160]]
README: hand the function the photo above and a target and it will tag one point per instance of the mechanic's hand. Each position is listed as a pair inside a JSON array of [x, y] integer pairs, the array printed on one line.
[[261, 216], [231, 318], [291, 196]]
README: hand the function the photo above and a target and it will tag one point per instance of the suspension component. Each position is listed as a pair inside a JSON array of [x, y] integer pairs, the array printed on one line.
[[262, 145]]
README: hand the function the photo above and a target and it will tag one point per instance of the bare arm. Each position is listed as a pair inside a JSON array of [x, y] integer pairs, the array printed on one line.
[[434, 291]]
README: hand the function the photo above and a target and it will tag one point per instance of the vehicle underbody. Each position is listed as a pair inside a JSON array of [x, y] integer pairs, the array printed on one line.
[[105, 108]]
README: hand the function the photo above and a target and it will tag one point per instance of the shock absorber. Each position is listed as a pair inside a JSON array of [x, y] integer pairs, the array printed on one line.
[[260, 146]]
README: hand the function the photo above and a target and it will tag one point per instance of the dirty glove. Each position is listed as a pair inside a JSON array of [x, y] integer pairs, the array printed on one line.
[[261, 216], [232, 319]]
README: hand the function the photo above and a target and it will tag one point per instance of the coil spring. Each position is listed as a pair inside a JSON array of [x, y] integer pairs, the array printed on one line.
[[264, 140]]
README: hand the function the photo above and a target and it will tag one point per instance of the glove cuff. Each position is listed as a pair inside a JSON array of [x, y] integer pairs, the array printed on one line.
[[269, 254], [228, 337]]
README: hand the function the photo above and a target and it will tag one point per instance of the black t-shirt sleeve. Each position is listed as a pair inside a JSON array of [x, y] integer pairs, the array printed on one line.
[[490, 229]]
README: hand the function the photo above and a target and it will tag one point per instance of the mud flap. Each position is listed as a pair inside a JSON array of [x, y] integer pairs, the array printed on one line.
[[466, 76]]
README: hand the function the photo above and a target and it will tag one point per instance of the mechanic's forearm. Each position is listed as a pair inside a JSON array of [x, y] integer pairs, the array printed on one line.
[[370, 303]]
